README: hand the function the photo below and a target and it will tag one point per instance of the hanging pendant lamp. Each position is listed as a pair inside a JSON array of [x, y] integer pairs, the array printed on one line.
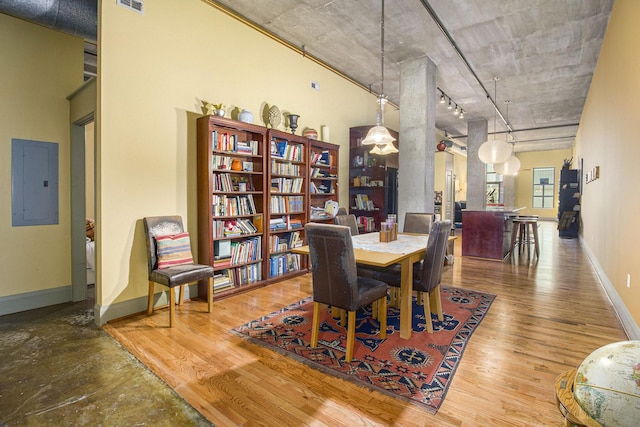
[[379, 135], [494, 151], [512, 165]]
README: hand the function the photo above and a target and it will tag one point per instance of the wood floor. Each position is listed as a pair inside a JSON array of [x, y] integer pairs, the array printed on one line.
[[545, 320]]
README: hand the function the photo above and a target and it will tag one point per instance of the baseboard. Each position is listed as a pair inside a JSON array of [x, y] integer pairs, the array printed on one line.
[[628, 323], [105, 313], [36, 299]]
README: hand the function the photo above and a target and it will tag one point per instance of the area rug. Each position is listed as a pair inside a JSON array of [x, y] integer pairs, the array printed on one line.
[[418, 370]]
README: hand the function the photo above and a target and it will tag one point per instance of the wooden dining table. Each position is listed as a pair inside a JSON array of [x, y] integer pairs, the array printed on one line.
[[407, 249]]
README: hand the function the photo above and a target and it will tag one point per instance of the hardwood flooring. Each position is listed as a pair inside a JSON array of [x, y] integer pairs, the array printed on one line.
[[545, 320]]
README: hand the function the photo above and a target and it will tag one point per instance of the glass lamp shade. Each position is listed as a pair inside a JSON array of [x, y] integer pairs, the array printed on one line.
[[510, 167], [378, 135], [495, 151], [384, 149]]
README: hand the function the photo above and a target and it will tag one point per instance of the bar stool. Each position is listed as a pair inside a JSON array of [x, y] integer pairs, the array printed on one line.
[[525, 233]]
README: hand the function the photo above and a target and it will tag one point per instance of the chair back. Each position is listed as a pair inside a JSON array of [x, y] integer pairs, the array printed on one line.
[[416, 222], [434, 257], [342, 211], [349, 221], [333, 265], [159, 226]]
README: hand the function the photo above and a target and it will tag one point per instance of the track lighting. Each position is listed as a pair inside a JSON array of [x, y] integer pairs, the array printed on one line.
[[442, 98], [457, 111], [461, 114], [449, 107]]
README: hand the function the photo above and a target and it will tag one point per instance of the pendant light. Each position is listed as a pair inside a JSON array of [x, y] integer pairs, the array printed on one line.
[[512, 165], [379, 135], [494, 151]]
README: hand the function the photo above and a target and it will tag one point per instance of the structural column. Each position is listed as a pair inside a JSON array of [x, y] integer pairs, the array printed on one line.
[[417, 136], [476, 170]]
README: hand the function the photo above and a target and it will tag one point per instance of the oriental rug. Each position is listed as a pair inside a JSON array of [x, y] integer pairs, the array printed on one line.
[[418, 370]]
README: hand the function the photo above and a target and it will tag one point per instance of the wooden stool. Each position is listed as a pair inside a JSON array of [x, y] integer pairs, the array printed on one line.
[[525, 232]]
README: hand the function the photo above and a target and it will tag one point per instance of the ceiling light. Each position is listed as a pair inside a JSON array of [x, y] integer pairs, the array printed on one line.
[[456, 111], [379, 134], [461, 114], [449, 106], [494, 151], [442, 98]]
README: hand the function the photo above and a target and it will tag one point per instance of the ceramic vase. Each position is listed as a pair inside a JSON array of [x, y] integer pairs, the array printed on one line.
[[293, 122], [245, 116]]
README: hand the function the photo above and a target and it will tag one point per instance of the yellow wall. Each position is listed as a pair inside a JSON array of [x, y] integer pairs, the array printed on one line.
[[155, 71], [608, 138], [36, 76], [524, 179]]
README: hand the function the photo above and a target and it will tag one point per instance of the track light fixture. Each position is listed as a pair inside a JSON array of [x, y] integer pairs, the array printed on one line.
[[457, 111]]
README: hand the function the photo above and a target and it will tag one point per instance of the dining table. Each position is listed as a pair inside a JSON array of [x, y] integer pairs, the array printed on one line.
[[406, 250]]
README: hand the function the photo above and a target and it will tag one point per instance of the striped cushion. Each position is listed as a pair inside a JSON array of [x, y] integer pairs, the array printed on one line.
[[173, 250]]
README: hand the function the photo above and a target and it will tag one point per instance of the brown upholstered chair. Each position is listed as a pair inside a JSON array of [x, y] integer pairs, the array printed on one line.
[[348, 220], [173, 276], [336, 283], [427, 274], [415, 222]]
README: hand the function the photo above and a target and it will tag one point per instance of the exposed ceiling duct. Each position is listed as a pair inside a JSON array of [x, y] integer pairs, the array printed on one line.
[[76, 17]]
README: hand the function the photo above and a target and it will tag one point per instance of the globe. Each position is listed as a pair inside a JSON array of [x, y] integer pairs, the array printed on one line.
[[607, 384]]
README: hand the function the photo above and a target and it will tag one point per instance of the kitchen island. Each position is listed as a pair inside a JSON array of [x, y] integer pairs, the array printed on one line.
[[486, 233]]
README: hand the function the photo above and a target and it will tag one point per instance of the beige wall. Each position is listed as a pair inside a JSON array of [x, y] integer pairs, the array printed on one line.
[[37, 76], [607, 138], [155, 71], [524, 179]]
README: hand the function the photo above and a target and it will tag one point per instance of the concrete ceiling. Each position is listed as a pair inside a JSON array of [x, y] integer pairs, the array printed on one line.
[[543, 53]]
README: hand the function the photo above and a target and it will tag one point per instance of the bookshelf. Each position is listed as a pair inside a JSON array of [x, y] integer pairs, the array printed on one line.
[[231, 203], [569, 204], [254, 198], [323, 178], [373, 191], [288, 203]]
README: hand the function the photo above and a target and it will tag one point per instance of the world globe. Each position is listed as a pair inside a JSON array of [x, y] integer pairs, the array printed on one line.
[[607, 384]]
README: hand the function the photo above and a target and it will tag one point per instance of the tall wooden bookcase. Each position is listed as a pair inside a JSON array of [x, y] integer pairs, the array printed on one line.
[[323, 178], [254, 199], [373, 185], [231, 202], [288, 204]]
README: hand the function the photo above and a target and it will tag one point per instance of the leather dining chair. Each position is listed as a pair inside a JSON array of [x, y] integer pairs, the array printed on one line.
[[427, 274], [417, 222], [349, 220], [176, 254], [336, 283]]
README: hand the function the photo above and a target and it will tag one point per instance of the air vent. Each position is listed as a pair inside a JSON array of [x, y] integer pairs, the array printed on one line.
[[135, 5]]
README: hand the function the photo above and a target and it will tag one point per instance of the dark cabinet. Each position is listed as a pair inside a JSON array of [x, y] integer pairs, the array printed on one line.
[[373, 181], [569, 203]]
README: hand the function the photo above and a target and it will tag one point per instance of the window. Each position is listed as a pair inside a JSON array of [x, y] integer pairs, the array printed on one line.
[[543, 187], [494, 191]]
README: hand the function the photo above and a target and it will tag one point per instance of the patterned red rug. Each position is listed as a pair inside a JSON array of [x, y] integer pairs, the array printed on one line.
[[418, 370]]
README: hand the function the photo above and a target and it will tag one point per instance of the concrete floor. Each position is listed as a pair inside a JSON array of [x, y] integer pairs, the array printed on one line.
[[57, 368]]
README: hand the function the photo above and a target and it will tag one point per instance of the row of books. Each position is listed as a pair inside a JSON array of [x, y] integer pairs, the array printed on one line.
[[362, 202], [366, 223], [323, 158], [281, 168], [283, 264], [320, 173], [287, 185], [324, 187], [224, 141], [247, 274], [283, 149], [284, 223], [241, 252], [222, 280], [285, 241], [233, 228], [224, 205], [230, 182], [220, 162], [286, 204]]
